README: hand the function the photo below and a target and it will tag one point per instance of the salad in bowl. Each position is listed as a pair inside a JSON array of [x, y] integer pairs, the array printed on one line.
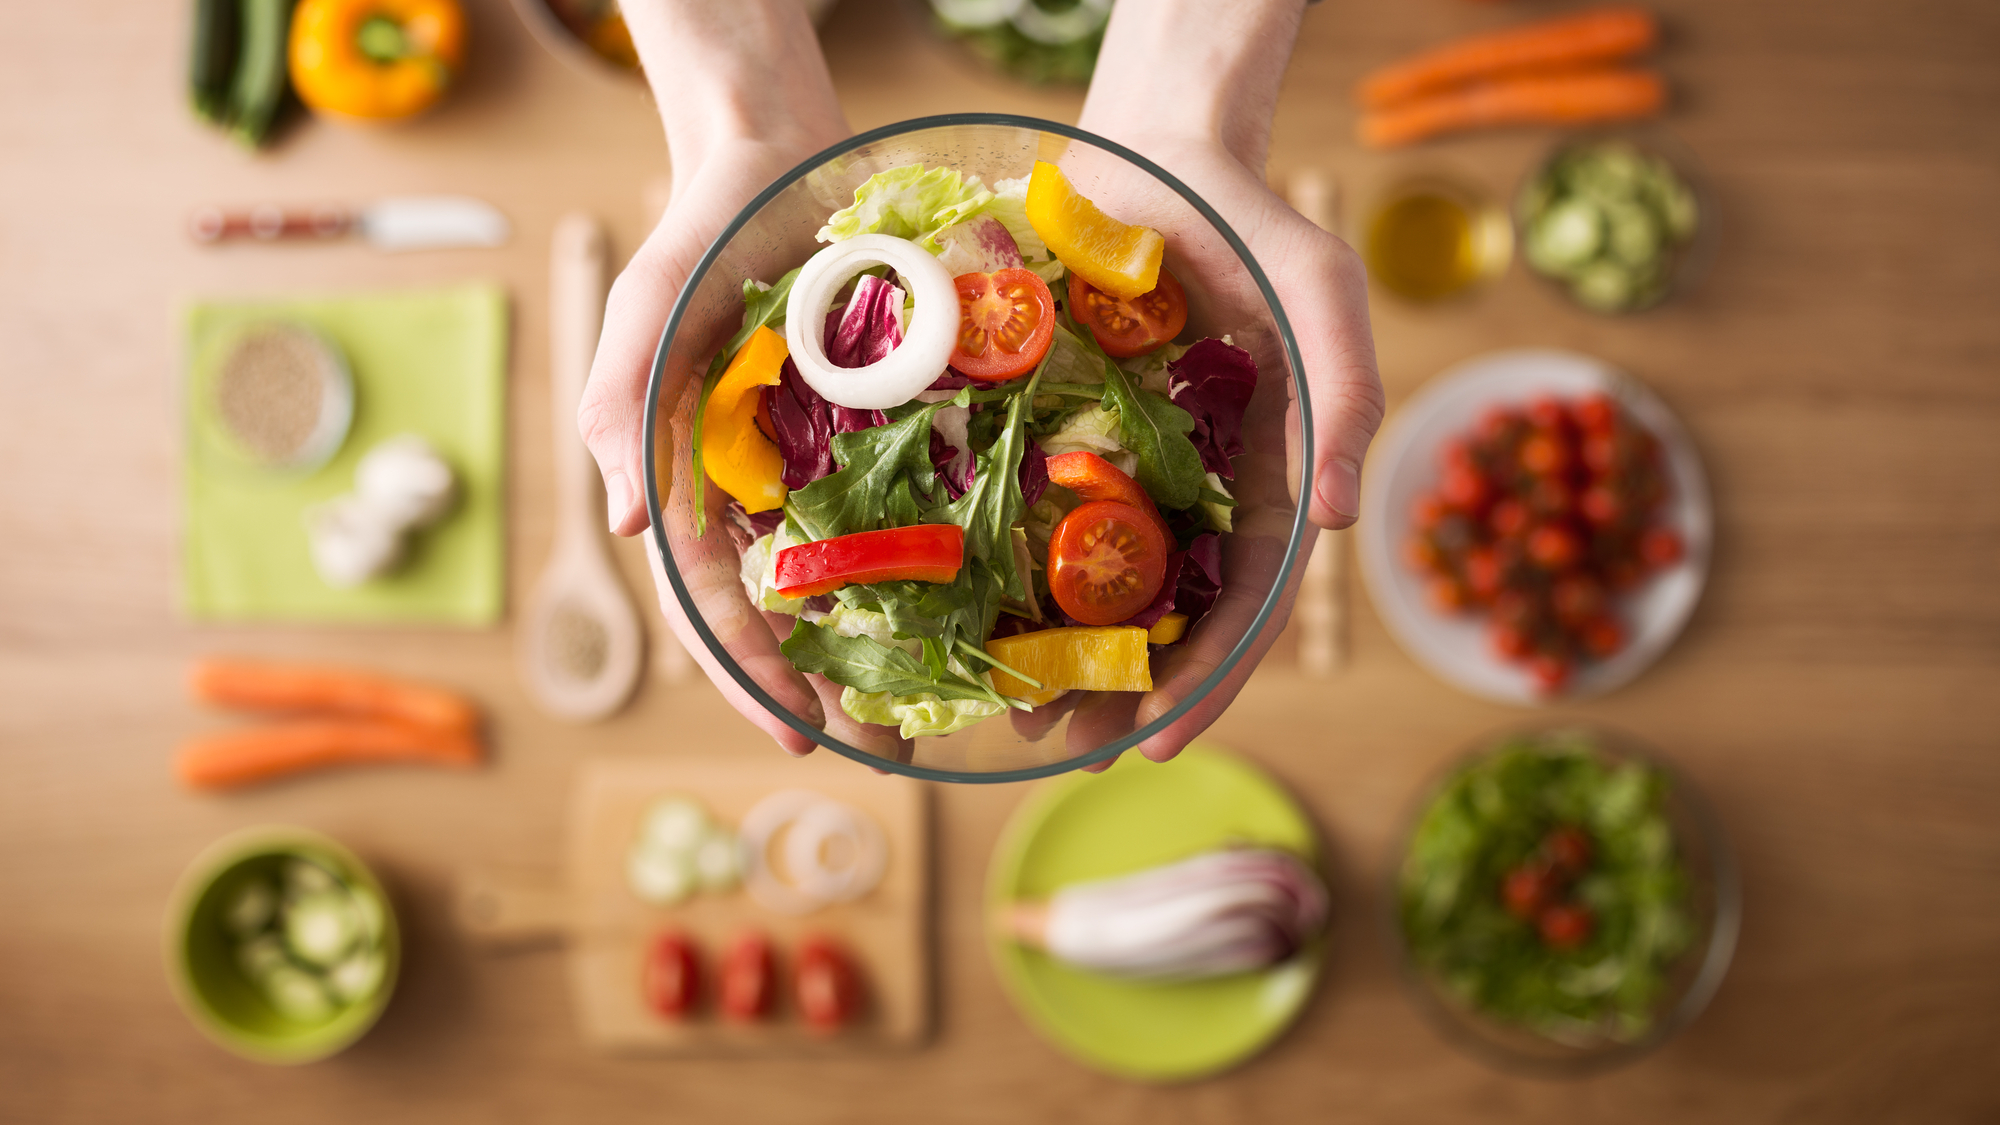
[[977, 450]]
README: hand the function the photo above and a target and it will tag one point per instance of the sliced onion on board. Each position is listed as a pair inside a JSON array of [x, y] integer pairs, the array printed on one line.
[[927, 341], [833, 852]]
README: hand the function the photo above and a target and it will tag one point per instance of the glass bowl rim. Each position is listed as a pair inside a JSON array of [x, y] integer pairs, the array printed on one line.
[[1724, 930], [652, 417]]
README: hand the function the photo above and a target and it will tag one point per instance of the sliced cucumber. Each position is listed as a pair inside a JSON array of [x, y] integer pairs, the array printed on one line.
[[660, 878], [357, 978], [304, 877], [675, 824], [1568, 234], [1680, 211], [259, 957], [251, 908], [1059, 27], [1635, 235], [1603, 286], [718, 862], [321, 929], [966, 15], [297, 994]]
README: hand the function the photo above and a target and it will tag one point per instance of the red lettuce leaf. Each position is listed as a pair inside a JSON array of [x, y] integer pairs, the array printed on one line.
[[1213, 382]]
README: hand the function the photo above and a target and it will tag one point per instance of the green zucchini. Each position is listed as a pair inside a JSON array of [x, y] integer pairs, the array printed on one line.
[[212, 58], [321, 928], [259, 84]]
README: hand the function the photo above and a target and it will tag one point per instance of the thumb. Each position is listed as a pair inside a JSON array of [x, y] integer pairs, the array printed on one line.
[[1326, 292]]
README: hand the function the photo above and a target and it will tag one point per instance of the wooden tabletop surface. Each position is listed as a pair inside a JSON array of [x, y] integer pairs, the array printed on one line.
[[1837, 694]]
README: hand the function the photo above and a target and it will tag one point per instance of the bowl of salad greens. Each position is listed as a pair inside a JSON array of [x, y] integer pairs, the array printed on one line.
[[281, 945], [1618, 221], [1564, 901], [973, 449]]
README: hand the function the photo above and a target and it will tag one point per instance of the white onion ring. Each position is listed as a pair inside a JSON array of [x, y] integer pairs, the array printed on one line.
[[820, 817], [806, 844], [927, 340]]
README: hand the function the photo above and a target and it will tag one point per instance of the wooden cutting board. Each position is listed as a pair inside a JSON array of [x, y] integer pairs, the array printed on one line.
[[607, 928]]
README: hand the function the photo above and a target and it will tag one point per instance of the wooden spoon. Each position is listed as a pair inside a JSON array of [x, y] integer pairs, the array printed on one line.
[[581, 650]]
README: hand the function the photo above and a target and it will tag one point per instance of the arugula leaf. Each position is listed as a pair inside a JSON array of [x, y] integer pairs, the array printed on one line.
[[1157, 432], [874, 463], [865, 664], [993, 504], [762, 308]]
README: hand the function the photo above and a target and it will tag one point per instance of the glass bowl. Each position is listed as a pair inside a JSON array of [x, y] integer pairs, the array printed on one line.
[[1684, 264], [1714, 904], [1227, 294]]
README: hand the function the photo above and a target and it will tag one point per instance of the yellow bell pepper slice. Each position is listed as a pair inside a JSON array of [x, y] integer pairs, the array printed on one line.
[[734, 452], [375, 59], [1120, 259], [1168, 629], [1085, 658]]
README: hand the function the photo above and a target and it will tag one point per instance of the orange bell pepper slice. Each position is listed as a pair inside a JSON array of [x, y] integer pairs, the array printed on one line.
[[1119, 258], [734, 451]]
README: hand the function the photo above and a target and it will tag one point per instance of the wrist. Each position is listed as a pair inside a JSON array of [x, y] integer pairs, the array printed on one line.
[[745, 73], [1180, 72]]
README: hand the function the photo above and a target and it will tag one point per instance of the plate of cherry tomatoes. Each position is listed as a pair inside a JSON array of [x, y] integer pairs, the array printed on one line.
[[1537, 527]]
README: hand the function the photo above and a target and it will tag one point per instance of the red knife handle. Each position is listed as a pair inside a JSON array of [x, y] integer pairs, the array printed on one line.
[[270, 223]]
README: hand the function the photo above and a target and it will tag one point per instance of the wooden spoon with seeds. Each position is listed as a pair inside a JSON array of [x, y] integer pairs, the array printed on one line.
[[581, 647]]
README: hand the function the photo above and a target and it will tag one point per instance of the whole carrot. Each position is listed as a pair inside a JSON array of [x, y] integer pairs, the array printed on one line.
[[262, 686], [227, 759], [1588, 38], [1558, 99]]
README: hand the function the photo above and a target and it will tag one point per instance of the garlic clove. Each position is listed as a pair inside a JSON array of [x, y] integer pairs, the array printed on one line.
[[406, 480], [352, 541]]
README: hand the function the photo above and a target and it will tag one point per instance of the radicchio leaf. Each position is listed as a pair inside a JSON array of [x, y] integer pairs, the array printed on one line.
[[1201, 577], [869, 327], [981, 245], [1213, 382], [1034, 473]]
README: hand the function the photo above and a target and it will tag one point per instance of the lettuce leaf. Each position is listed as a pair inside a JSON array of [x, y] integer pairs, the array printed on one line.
[[868, 665], [760, 574], [918, 203], [915, 716]]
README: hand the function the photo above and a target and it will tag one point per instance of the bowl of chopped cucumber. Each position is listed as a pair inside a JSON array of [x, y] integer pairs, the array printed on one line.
[[1618, 221], [281, 945]]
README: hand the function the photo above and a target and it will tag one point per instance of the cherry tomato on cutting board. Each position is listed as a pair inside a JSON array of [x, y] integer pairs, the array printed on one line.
[[748, 978], [671, 977], [1005, 322], [1107, 561], [1128, 328], [828, 987]]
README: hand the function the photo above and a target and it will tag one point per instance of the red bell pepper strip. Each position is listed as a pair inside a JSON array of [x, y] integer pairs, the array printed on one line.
[[925, 552]]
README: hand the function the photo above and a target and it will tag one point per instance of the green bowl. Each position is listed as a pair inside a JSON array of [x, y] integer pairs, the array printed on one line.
[[201, 961]]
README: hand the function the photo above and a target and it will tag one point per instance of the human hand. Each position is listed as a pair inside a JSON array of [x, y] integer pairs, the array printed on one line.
[[744, 95], [1218, 67]]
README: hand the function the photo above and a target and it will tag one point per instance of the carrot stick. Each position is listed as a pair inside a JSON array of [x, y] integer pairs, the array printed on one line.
[[227, 759], [1595, 36], [1557, 99], [260, 686]]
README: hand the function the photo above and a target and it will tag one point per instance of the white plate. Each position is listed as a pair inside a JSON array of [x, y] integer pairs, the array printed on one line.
[[1405, 463]]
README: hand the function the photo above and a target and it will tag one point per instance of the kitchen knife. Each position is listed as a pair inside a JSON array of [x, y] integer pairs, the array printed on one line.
[[417, 222]]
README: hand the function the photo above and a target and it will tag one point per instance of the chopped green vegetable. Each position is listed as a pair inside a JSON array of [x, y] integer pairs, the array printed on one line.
[[297, 994], [251, 909], [873, 463], [1610, 222], [358, 977], [321, 928], [1488, 821]]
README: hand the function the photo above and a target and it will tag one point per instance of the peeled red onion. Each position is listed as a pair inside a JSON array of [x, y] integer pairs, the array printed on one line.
[[927, 341]]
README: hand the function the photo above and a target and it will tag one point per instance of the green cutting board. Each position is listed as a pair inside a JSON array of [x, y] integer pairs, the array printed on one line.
[[1136, 815], [431, 362]]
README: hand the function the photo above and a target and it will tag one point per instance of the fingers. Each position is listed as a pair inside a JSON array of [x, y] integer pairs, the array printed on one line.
[[1325, 291]]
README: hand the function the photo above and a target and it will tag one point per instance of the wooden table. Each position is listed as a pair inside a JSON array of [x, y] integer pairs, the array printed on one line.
[[1838, 694]]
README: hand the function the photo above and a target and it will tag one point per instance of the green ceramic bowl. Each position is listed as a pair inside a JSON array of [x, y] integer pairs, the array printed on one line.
[[201, 953]]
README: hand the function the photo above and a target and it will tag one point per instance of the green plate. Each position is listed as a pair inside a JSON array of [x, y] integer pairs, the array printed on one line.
[[1133, 816]]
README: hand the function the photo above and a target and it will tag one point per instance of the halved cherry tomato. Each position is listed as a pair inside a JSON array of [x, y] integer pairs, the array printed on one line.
[[924, 552], [671, 978], [747, 978], [829, 990], [1094, 478], [1565, 925], [1526, 890], [1005, 322], [1107, 561], [1128, 328]]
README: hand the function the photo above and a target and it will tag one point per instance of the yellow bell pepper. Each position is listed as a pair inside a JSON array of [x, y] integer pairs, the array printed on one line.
[[375, 59], [1120, 259], [1168, 629], [734, 452], [1100, 658]]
